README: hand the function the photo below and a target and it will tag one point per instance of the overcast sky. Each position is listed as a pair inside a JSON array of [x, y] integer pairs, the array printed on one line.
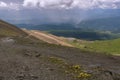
[[54, 10], [60, 4]]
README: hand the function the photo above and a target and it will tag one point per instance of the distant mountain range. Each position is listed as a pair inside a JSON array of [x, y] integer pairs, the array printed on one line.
[[84, 30], [111, 24], [105, 24], [48, 27]]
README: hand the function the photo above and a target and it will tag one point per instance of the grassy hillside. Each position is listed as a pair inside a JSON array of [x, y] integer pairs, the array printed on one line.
[[106, 46], [7, 29]]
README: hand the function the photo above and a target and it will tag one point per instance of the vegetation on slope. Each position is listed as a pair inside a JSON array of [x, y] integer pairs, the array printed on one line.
[[105, 46], [7, 29]]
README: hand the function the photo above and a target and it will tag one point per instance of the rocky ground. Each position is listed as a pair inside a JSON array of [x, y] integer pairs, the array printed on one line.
[[31, 59]]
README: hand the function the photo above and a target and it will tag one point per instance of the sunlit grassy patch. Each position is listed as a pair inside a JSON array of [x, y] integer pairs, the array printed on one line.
[[83, 75], [56, 60], [106, 46], [76, 71]]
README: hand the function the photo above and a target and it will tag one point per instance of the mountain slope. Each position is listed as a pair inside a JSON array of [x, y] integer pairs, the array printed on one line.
[[7, 29], [107, 46], [46, 37], [27, 58]]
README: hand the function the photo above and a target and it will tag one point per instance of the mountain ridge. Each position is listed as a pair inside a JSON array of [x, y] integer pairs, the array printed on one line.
[[7, 29], [104, 24]]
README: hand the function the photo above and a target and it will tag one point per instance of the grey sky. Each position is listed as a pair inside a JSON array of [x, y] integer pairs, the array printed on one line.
[[56, 10]]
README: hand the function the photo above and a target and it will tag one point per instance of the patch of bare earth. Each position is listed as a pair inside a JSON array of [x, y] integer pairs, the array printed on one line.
[[49, 38]]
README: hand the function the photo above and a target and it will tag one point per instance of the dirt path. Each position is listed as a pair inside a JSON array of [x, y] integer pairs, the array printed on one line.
[[48, 38]]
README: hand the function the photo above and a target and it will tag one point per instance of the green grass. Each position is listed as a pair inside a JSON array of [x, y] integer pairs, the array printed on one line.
[[106, 46], [75, 71], [7, 32]]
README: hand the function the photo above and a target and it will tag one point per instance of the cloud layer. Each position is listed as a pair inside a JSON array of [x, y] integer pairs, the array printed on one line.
[[60, 4], [10, 5], [3, 4], [67, 4]]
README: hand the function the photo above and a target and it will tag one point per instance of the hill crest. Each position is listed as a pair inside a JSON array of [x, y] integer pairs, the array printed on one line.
[[9, 30]]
